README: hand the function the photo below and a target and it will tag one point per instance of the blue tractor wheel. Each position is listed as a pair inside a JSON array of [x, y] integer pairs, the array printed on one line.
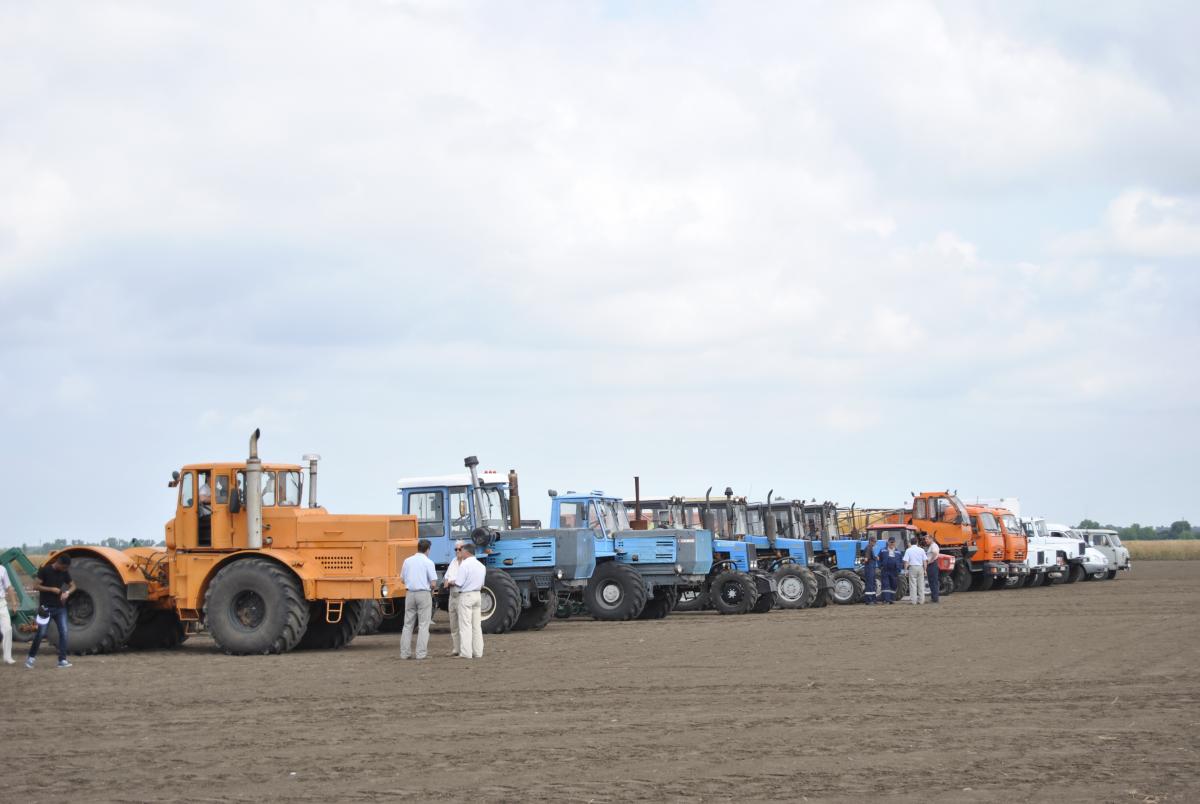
[[733, 592], [615, 592]]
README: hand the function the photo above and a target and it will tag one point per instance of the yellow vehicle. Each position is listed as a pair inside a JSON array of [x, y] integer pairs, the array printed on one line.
[[245, 558]]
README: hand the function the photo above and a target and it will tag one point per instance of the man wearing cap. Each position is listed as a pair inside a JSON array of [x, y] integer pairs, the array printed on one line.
[[420, 579], [469, 580], [54, 585], [889, 564], [452, 606]]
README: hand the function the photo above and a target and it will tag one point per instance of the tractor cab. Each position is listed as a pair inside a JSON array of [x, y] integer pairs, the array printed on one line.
[[447, 511], [209, 498], [943, 516]]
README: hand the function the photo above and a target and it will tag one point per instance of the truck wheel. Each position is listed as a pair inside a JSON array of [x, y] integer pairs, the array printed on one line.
[[100, 618], [792, 590], [157, 629], [1075, 573], [1112, 574], [372, 617], [614, 592], [255, 605], [538, 615], [499, 602], [945, 584], [962, 577], [981, 582], [692, 600], [322, 635], [733, 592], [848, 588]]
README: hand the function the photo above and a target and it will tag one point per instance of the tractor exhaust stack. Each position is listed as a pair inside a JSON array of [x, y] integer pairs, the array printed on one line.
[[254, 522], [312, 479]]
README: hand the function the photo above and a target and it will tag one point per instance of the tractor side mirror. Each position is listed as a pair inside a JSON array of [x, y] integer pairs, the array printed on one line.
[[235, 502]]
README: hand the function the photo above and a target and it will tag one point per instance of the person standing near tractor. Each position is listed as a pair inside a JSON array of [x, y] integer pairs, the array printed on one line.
[[55, 586], [932, 570], [469, 580], [870, 570], [890, 561], [914, 564], [8, 599], [420, 580], [452, 603]]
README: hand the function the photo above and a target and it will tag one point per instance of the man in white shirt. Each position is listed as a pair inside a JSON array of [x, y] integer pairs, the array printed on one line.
[[932, 570], [7, 598], [452, 607], [914, 564], [420, 579], [469, 580]]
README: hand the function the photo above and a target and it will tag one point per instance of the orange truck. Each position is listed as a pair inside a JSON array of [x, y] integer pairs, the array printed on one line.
[[1016, 547], [247, 560], [988, 527], [979, 553]]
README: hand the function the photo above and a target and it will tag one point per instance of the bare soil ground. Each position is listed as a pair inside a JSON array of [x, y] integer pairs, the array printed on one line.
[[1087, 692]]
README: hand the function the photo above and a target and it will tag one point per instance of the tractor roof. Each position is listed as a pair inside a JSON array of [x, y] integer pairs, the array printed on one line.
[[487, 478], [267, 467]]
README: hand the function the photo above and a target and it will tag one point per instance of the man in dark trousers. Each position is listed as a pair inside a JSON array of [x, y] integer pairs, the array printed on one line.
[[54, 585], [890, 561], [870, 570], [932, 570]]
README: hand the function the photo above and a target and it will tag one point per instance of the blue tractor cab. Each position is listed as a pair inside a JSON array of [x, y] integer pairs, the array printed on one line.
[[639, 572], [527, 568], [773, 528]]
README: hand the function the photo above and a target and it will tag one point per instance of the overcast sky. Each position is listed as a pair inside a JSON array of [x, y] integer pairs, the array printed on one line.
[[845, 251]]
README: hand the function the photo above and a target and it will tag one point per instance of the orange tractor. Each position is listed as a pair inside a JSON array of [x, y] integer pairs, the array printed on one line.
[[245, 558]]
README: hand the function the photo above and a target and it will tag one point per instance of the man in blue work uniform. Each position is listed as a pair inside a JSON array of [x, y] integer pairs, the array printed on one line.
[[870, 570], [890, 560]]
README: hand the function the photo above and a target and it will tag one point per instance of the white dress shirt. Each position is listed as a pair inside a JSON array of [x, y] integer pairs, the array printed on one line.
[[451, 574], [914, 556], [932, 551], [471, 573], [418, 573]]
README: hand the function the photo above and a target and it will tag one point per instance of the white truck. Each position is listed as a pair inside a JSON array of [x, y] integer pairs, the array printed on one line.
[[1108, 542], [1058, 543]]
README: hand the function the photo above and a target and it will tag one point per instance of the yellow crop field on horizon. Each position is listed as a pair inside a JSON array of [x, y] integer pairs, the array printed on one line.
[[1163, 550]]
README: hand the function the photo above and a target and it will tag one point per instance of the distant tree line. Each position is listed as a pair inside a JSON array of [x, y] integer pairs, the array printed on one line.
[[59, 544], [1179, 529]]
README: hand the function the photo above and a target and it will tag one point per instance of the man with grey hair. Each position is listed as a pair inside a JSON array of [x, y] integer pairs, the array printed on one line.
[[420, 579], [452, 605], [469, 580]]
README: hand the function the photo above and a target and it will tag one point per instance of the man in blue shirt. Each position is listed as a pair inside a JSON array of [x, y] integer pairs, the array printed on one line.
[[420, 579]]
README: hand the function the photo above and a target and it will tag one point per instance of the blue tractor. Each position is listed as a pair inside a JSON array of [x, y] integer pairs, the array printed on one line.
[[735, 584], [527, 569], [638, 572], [841, 558], [774, 528]]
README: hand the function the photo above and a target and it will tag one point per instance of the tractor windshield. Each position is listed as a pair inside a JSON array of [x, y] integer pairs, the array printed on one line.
[[754, 521], [739, 520], [612, 515], [495, 514]]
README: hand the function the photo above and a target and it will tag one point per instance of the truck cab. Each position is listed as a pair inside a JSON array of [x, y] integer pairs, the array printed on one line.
[[1016, 546], [1067, 549], [988, 567], [1108, 542]]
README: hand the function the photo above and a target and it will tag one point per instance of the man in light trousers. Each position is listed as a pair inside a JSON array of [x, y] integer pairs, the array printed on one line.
[[469, 580], [452, 606], [914, 564], [8, 599], [420, 580]]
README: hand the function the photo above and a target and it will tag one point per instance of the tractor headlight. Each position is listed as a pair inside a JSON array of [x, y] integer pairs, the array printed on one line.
[[558, 573], [678, 569], [383, 590]]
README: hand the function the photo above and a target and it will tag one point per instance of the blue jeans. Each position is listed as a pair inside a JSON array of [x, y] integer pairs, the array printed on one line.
[[58, 614], [933, 573]]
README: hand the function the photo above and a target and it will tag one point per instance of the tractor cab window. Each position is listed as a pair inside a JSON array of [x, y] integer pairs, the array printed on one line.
[[570, 515], [222, 487], [738, 522], [612, 516], [204, 510], [754, 522], [949, 509], [187, 490], [460, 511], [427, 507], [290, 483], [919, 509], [662, 518], [268, 489], [495, 512], [1114, 540]]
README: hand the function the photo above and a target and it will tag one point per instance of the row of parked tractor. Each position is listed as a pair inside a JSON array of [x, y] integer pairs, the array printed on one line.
[[246, 559]]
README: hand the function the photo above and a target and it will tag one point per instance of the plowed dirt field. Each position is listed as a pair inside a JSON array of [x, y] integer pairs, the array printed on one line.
[[1089, 692]]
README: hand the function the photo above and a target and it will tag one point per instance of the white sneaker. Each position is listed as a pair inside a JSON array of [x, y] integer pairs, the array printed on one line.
[[29, 663], [64, 663], [10, 661]]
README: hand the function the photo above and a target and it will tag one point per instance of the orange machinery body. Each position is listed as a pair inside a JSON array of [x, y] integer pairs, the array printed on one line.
[[989, 538], [1016, 545], [942, 516], [336, 557]]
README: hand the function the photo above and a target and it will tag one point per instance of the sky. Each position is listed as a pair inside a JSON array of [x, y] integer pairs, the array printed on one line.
[[841, 251]]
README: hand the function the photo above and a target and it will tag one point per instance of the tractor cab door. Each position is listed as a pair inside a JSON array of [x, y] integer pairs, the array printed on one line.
[[221, 522], [185, 512], [435, 520]]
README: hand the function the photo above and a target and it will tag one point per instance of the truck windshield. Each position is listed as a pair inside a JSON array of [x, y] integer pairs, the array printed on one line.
[[988, 522], [1115, 539], [1011, 526]]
